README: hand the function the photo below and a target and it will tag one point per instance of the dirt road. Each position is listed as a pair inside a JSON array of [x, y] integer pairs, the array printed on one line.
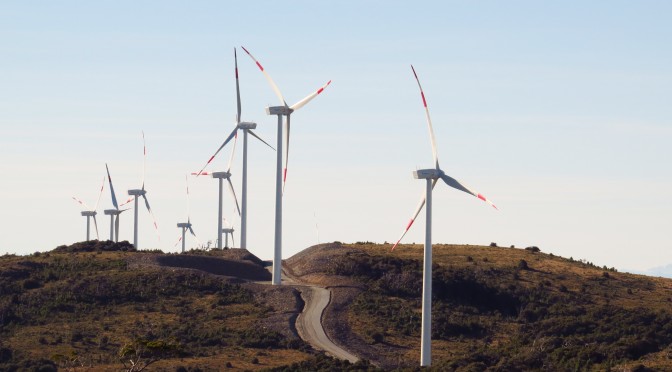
[[309, 322]]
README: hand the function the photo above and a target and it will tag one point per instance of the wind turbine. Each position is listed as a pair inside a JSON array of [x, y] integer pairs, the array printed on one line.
[[227, 231], [91, 212], [114, 213], [186, 225], [221, 176], [246, 127], [432, 175], [141, 192], [280, 178]]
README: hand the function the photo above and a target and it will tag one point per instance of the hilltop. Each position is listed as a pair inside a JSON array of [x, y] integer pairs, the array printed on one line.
[[102, 304]]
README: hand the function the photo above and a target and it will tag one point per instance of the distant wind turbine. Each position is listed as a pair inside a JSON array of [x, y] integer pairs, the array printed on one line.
[[186, 225], [280, 178], [114, 213], [228, 230], [246, 127], [432, 175], [142, 192], [221, 176], [88, 213]]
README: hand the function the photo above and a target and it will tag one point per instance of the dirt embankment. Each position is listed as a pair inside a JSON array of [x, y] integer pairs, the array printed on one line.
[[237, 263]]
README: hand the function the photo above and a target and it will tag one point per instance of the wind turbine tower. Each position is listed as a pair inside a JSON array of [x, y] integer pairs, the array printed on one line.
[[280, 176], [431, 176], [135, 193], [247, 128]]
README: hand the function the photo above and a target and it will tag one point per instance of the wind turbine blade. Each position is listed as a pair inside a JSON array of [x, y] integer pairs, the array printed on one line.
[[415, 215], [233, 241], [429, 121], [259, 138], [194, 234], [186, 179], [235, 57], [233, 133], [304, 101], [284, 175], [268, 77], [99, 195], [126, 202], [233, 152], [144, 159], [233, 193], [81, 202], [95, 224], [114, 197], [178, 241], [457, 185], [149, 209]]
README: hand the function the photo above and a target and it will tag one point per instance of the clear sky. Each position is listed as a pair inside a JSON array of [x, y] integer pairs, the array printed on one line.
[[557, 111]]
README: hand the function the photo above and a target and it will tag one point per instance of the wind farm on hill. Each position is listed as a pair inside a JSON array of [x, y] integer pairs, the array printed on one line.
[[106, 304]]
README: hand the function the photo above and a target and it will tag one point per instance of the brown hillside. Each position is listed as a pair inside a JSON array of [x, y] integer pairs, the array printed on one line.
[[494, 308]]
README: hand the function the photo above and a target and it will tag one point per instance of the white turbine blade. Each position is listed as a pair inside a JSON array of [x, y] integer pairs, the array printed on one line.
[[233, 133], [233, 193], [259, 138], [81, 202], [268, 77], [114, 197], [99, 195], [186, 180], [235, 57], [178, 241], [95, 224], [233, 152], [194, 234], [144, 159], [284, 174], [156, 227], [429, 121], [304, 101], [415, 215], [457, 185], [233, 241], [126, 202]]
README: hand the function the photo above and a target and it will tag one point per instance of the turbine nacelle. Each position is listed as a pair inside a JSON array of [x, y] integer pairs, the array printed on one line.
[[278, 110], [184, 225], [228, 230], [112, 212], [247, 125], [223, 175], [89, 213], [136, 192], [431, 173]]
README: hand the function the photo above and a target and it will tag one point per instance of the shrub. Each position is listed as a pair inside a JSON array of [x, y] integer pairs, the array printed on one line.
[[522, 265], [533, 249]]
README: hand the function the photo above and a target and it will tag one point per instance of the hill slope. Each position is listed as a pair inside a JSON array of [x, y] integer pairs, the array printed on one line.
[[494, 308], [102, 308]]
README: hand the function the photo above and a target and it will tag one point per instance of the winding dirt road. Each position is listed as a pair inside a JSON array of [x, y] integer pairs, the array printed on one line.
[[309, 322]]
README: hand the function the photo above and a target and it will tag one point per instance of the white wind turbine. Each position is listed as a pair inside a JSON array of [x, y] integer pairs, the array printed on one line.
[[88, 213], [432, 175], [228, 230], [246, 127], [221, 176], [280, 178], [142, 192], [186, 225], [114, 213]]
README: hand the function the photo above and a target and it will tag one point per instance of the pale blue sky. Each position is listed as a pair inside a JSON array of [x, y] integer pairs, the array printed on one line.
[[558, 112]]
